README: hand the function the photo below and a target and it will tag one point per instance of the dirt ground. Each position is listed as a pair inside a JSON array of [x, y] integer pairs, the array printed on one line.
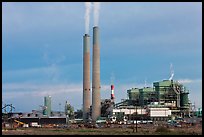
[[151, 130]]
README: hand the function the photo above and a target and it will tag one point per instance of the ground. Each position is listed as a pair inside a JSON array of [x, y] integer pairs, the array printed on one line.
[[150, 130]]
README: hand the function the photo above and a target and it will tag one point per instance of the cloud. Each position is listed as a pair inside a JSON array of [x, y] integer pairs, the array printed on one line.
[[51, 73], [32, 17], [33, 93], [28, 96], [31, 74], [53, 60], [195, 89], [186, 81], [39, 90]]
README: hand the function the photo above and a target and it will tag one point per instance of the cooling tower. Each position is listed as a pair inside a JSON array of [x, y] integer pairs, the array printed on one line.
[[96, 101], [86, 76]]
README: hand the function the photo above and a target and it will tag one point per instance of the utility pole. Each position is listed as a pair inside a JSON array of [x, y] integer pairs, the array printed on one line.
[[141, 107], [135, 126], [136, 117], [60, 109]]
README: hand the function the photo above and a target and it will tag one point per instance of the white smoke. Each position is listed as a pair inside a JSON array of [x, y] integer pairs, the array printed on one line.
[[87, 16], [172, 71], [96, 13]]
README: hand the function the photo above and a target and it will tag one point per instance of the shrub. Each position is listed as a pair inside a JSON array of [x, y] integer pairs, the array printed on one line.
[[162, 129]]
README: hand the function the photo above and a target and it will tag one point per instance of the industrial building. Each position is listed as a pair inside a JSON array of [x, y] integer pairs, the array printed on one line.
[[40, 118], [167, 99], [167, 92]]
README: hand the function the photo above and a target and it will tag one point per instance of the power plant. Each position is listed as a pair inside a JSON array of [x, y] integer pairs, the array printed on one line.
[[166, 103]]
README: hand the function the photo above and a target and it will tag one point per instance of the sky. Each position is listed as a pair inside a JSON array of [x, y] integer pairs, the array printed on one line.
[[42, 50]]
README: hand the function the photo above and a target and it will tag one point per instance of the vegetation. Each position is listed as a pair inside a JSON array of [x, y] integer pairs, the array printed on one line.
[[104, 131], [162, 129]]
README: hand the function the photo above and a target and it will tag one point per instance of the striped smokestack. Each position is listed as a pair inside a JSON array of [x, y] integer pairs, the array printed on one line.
[[112, 92], [86, 76], [96, 101]]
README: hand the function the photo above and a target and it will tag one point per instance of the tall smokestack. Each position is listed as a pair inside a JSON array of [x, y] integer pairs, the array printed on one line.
[[96, 101], [86, 76], [112, 93]]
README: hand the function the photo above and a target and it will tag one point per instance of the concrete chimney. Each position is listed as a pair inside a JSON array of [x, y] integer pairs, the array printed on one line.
[[86, 76], [96, 100]]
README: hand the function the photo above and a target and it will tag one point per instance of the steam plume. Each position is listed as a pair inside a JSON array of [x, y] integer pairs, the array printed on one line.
[[172, 71], [96, 13], [87, 16]]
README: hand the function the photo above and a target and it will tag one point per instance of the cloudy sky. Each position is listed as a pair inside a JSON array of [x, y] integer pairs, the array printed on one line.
[[42, 49]]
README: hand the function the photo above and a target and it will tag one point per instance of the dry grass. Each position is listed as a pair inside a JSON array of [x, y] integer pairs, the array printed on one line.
[[104, 131]]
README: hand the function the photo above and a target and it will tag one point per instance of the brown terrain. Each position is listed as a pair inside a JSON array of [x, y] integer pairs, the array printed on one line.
[[117, 130]]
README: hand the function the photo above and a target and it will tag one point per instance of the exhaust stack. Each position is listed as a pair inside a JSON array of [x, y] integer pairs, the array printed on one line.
[[86, 76], [112, 92], [96, 101]]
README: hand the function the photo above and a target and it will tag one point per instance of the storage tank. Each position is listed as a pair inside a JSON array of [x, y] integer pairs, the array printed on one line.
[[184, 100], [141, 97], [69, 110], [47, 104]]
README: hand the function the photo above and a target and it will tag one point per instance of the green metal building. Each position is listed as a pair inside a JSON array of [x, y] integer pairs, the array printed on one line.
[[133, 93], [161, 88], [167, 92], [147, 95]]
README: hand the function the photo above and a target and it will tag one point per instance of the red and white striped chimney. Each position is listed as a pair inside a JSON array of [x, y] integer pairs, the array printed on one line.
[[112, 92]]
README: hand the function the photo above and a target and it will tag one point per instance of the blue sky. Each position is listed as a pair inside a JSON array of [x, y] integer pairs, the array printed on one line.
[[42, 49]]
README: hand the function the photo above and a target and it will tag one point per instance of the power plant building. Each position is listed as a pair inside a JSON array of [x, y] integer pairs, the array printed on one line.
[[167, 92]]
